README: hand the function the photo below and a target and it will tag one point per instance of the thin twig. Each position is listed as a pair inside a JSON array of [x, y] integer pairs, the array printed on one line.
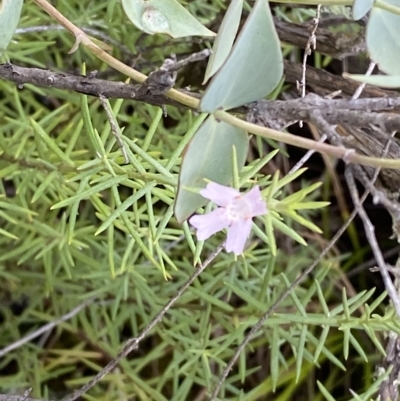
[[163, 79], [371, 263], [324, 137], [370, 233], [6, 397], [377, 196], [201, 55], [359, 90], [114, 126], [304, 159], [133, 343], [45, 328], [310, 47]]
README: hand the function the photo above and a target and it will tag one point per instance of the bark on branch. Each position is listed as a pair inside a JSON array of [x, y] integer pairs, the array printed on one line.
[[338, 45], [321, 81], [87, 85], [359, 113]]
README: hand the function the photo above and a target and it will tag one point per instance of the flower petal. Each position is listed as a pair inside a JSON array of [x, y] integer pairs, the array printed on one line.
[[210, 223], [256, 202], [237, 236], [219, 194]]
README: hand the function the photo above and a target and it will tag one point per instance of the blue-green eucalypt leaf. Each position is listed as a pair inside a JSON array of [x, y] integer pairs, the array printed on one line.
[[209, 156], [164, 16], [224, 41], [10, 12], [361, 7], [383, 38], [254, 67]]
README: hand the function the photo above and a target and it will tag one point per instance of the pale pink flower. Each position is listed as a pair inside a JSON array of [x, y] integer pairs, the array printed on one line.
[[235, 212]]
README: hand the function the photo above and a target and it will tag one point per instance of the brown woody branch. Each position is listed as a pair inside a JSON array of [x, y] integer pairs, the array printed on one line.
[[323, 82], [338, 45], [88, 85], [359, 113], [354, 121]]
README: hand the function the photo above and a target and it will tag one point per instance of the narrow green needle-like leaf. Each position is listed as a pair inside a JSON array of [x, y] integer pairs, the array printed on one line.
[[90, 191], [357, 347], [321, 343], [322, 299], [324, 391], [346, 342], [300, 352], [50, 143], [7, 234], [274, 361], [124, 206]]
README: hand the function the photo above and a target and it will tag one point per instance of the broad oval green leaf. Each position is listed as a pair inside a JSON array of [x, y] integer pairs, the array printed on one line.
[[209, 156], [253, 69], [361, 7], [224, 41], [10, 11], [164, 16], [383, 38], [384, 81]]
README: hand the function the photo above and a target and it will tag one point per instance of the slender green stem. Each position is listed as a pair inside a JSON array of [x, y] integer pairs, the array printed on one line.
[[387, 7], [336, 151]]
